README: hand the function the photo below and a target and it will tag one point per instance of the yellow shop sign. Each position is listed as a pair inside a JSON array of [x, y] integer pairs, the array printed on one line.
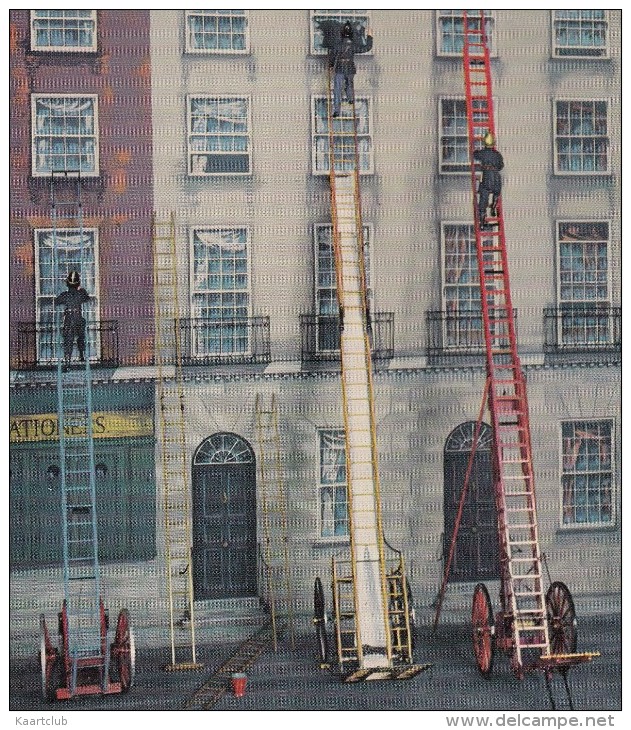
[[105, 425]]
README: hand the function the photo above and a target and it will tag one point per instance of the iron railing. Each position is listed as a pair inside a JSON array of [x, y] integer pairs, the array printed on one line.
[[582, 328], [455, 334], [37, 345], [320, 336], [242, 340]]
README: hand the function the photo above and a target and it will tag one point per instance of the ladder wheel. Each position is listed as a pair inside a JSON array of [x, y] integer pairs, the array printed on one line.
[[319, 619], [50, 664], [124, 651], [483, 630], [561, 619]]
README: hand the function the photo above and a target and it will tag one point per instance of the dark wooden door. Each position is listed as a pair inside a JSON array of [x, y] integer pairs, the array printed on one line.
[[224, 529], [476, 554]]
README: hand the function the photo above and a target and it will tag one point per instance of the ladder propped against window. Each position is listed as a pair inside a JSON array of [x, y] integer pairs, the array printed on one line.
[[528, 615], [175, 463], [370, 601], [522, 578], [82, 585], [278, 589]]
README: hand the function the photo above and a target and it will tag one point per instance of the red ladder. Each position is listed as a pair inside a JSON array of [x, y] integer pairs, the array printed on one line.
[[520, 563]]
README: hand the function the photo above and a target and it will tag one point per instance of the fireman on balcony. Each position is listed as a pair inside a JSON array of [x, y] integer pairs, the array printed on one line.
[[342, 43], [73, 327], [490, 161]]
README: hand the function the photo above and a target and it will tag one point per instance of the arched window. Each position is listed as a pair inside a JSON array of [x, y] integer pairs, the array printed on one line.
[[223, 448]]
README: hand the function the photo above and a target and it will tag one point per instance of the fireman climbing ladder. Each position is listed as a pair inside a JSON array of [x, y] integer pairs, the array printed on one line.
[[370, 600], [525, 620], [82, 583], [81, 665], [172, 434], [278, 587]]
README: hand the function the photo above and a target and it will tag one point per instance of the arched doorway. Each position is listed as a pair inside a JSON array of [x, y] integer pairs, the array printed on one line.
[[224, 518], [476, 554]]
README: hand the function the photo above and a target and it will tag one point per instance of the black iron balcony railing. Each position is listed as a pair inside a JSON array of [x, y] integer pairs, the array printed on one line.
[[37, 345], [243, 341], [320, 335], [582, 328], [457, 334]]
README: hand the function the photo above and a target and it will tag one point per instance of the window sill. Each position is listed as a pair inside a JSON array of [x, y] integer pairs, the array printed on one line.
[[587, 529], [327, 542]]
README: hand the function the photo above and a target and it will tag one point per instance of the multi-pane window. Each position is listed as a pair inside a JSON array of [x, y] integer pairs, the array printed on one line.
[[450, 30], [586, 480], [454, 136], [219, 135], [220, 291], [65, 134], [344, 139], [328, 325], [333, 489], [581, 137], [461, 288], [217, 31], [58, 252], [356, 17], [579, 33], [63, 30], [584, 306]]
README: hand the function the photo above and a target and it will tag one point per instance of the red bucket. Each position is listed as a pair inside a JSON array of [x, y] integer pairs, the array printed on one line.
[[238, 684]]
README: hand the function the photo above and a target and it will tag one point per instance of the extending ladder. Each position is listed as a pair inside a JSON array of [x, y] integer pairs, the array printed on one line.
[[83, 608], [520, 562], [370, 602], [278, 586], [175, 468]]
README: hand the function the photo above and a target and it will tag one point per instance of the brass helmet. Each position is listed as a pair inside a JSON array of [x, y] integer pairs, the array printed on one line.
[[73, 279], [489, 139]]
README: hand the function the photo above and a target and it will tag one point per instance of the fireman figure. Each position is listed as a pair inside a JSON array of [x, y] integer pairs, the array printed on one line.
[[342, 43], [490, 161], [73, 327]]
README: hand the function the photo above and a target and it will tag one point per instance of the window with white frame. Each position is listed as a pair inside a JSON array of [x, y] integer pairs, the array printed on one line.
[[461, 288], [586, 480], [63, 30], [584, 305], [358, 18], [332, 486], [454, 136], [343, 138], [58, 252], [326, 304], [65, 134], [219, 135], [579, 33], [450, 30], [217, 31], [581, 139], [220, 292]]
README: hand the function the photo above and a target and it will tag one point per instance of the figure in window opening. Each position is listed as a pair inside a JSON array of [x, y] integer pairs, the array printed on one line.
[[73, 327], [342, 43], [490, 161]]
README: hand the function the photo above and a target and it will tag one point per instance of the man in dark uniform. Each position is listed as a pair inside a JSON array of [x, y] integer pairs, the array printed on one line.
[[74, 323], [490, 187], [342, 46]]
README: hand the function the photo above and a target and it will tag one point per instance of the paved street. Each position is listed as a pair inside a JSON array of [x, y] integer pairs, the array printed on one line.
[[291, 680]]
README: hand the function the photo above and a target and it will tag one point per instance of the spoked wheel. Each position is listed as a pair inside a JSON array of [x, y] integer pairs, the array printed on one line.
[[483, 630], [50, 664], [124, 651], [561, 619], [319, 619]]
